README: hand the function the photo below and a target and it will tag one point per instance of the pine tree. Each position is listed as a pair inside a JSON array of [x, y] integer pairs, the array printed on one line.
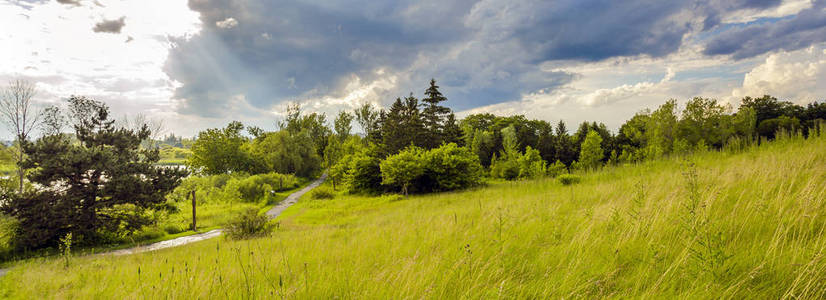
[[100, 185]]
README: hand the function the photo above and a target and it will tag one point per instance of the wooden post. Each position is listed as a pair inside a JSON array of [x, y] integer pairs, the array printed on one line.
[[194, 227]]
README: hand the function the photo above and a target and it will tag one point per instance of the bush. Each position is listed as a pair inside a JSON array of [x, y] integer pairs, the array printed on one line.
[[228, 188], [401, 169], [568, 179], [556, 169], [172, 229], [364, 172], [249, 224], [148, 233], [322, 193], [451, 167]]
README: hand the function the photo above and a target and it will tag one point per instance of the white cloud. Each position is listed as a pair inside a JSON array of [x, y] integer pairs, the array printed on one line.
[[227, 23], [787, 8], [799, 76], [54, 45]]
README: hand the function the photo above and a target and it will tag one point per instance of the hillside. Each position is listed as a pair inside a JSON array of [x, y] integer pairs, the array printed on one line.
[[715, 224]]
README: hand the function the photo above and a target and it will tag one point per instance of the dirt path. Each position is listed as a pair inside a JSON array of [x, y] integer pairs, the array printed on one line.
[[272, 213]]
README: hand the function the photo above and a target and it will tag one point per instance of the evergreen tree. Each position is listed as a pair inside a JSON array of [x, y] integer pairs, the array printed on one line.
[[98, 186], [434, 118], [565, 148], [452, 133], [402, 126]]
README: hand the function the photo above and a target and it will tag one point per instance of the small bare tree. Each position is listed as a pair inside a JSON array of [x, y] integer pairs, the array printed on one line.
[[136, 122], [21, 116]]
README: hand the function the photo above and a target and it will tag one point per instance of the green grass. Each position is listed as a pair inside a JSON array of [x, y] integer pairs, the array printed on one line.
[[719, 225]]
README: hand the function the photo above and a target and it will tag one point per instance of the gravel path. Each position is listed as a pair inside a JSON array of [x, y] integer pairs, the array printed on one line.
[[272, 213]]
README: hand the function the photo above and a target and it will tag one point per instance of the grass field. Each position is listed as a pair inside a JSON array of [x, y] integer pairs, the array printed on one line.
[[714, 225]]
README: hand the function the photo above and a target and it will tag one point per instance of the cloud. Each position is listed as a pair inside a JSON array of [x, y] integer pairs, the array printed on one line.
[[799, 76], [481, 52], [110, 26], [806, 28], [69, 2], [227, 23]]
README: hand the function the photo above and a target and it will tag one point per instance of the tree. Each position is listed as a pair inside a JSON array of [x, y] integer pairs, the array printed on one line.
[[482, 145], [565, 148], [591, 155], [136, 121], [286, 153], [402, 126], [451, 132], [402, 168], [343, 124], [434, 116], [219, 151], [368, 119], [768, 107], [531, 164], [332, 154], [660, 130], [97, 186], [53, 121], [21, 117], [704, 119]]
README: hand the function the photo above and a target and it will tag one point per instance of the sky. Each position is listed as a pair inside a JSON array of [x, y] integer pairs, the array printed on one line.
[[201, 63]]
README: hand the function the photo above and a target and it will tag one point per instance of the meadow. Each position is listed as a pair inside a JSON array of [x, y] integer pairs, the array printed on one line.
[[729, 224]]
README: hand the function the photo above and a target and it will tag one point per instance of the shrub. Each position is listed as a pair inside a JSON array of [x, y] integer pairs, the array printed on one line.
[[451, 167], [568, 179], [364, 172], [531, 164], [249, 224], [403, 168], [322, 193], [148, 233], [172, 229], [227, 188], [556, 169]]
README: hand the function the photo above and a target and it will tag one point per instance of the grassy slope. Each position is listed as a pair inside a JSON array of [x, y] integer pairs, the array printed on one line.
[[749, 225]]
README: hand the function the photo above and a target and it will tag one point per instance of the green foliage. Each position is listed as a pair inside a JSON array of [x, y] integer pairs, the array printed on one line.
[[343, 124], [591, 154], [218, 151], [402, 168], [531, 164], [93, 188], [322, 193], [249, 224], [363, 171], [624, 232], [450, 167], [233, 188], [768, 128], [556, 169], [287, 153], [568, 179]]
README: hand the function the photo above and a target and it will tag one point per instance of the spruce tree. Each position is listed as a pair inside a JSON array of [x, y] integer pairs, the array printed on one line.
[[434, 116]]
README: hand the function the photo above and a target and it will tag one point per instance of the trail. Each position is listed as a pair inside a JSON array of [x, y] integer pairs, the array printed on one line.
[[272, 214]]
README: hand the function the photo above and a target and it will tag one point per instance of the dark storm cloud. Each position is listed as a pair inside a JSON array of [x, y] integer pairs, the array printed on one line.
[[800, 31], [110, 26], [482, 52]]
